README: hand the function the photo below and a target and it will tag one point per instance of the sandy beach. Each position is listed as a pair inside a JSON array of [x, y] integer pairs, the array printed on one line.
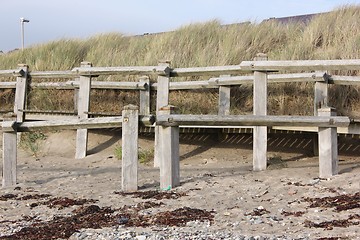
[[287, 201]]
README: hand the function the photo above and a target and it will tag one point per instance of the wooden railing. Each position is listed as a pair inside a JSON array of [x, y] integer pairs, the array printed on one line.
[[259, 72]]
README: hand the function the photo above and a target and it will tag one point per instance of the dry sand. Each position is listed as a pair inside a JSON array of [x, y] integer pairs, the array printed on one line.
[[215, 176]]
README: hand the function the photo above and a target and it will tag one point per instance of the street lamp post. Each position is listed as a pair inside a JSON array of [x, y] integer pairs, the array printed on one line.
[[22, 21]]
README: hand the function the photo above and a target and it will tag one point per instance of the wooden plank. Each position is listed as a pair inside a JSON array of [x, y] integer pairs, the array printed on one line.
[[162, 99], [260, 108], [130, 131], [272, 78], [83, 109], [133, 70], [9, 156], [11, 73], [54, 85], [168, 150], [344, 80], [320, 96], [328, 147], [21, 92], [89, 123], [203, 71], [187, 85], [7, 85], [301, 65], [145, 103], [53, 74], [252, 120], [224, 99], [118, 85]]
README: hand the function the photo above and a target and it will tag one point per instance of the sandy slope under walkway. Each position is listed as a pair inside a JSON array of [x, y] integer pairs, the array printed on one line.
[[214, 177]]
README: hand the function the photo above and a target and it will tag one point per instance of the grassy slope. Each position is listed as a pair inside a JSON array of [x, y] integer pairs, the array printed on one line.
[[330, 36]]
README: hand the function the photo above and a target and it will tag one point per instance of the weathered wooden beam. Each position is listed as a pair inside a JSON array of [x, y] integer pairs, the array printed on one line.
[[224, 99], [328, 147], [134, 70], [130, 131], [7, 85], [145, 96], [260, 108], [187, 85], [301, 65], [344, 80], [252, 120], [20, 93], [162, 99], [272, 78], [83, 109], [88, 123], [9, 156], [202, 71], [168, 149], [11, 73], [53, 74]]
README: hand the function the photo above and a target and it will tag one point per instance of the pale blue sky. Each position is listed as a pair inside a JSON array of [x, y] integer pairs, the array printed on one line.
[[56, 19]]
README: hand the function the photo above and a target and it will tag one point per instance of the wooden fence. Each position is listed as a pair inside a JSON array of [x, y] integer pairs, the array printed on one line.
[[260, 72]]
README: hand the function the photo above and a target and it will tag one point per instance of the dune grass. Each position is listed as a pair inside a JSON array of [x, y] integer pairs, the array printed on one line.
[[334, 35]]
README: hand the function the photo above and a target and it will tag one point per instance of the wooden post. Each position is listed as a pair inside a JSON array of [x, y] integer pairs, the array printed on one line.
[[83, 109], [328, 146], [9, 155], [130, 129], [168, 150], [76, 97], [20, 93], [224, 99], [320, 101], [145, 97], [260, 108], [162, 99]]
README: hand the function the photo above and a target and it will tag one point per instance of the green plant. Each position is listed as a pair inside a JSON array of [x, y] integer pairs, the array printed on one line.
[[31, 141], [144, 155], [118, 152]]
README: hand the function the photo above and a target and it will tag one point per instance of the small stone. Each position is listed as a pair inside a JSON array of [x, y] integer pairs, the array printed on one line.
[[141, 237]]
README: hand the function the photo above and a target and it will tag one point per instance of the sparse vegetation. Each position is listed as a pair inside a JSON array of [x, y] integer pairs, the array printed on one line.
[[31, 141], [334, 35], [144, 155]]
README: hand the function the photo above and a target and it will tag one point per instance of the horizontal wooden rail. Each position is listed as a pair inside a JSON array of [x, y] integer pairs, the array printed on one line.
[[344, 80], [202, 71], [251, 120], [134, 70], [11, 73], [89, 123], [272, 78], [54, 74], [301, 65], [187, 85]]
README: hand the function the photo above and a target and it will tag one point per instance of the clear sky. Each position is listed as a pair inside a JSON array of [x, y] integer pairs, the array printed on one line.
[[56, 19]]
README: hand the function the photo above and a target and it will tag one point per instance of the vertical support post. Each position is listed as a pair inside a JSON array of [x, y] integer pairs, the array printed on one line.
[[224, 99], [320, 101], [260, 108], [9, 154], [20, 93], [328, 146], [83, 109], [320, 96], [130, 130], [168, 149], [145, 97], [76, 97], [162, 99]]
